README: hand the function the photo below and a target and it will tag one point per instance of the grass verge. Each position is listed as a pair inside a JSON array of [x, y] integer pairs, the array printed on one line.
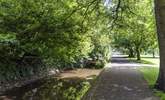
[[150, 75], [151, 60], [143, 61]]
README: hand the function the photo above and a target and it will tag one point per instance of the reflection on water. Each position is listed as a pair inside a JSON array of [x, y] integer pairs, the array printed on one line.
[[52, 89], [59, 90]]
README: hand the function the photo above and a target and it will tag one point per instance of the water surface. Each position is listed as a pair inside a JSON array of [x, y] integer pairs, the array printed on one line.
[[50, 89]]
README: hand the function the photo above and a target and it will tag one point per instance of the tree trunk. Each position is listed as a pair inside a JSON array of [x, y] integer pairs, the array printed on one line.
[[138, 53], [153, 54], [131, 52], [160, 23]]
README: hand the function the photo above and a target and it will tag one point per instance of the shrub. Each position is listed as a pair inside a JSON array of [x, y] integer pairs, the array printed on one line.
[[97, 64]]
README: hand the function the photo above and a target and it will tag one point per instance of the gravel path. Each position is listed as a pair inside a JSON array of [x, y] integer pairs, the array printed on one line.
[[120, 83]]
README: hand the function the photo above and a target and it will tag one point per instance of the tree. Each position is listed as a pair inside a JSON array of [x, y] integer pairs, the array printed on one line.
[[160, 23], [60, 33], [134, 25], [45, 28]]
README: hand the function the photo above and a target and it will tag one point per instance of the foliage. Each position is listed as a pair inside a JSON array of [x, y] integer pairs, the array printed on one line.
[[134, 25], [59, 33], [101, 47], [100, 64]]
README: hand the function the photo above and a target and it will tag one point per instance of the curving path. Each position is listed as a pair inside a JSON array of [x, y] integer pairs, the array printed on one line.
[[121, 81]]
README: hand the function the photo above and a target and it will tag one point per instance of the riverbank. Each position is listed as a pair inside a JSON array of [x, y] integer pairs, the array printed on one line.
[[36, 82], [79, 73], [8, 85]]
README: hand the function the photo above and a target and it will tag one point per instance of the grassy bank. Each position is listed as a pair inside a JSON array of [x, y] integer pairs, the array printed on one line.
[[151, 60], [68, 85], [150, 75], [143, 60]]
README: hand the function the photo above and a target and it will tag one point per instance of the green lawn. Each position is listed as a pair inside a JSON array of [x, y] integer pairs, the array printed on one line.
[[144, 60], [151, 73], [151, 60]]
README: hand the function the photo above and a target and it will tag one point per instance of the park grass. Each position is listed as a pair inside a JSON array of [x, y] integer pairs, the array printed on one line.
[[143, 61], [146, 60], [151, 60], [160, 94], [150, 75]]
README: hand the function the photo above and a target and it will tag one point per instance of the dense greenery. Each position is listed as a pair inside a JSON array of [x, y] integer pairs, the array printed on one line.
[[135, 29], [36, 35]]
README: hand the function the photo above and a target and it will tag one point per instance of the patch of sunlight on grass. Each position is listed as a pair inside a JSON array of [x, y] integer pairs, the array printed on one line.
[[160, 94], [142, 61], [152, 60], [146, 60], [150, 75]]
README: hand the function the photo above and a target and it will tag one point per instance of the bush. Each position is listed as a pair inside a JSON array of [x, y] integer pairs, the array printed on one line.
[[97, 64], [23, 67]]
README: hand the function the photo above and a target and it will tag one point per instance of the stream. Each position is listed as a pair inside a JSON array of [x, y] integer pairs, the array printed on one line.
[[50, 89]]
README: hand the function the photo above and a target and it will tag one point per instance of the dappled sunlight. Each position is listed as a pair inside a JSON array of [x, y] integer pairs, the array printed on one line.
[[58, 49], [130, 65], [123, 62], [50, 89], [119, 82]]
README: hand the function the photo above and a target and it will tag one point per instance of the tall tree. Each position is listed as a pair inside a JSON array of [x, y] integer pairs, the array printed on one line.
[[60, 32], [160, 22], [134, 25]]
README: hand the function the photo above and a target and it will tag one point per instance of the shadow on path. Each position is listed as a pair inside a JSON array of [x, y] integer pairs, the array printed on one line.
[[122, 61], [121, 81]]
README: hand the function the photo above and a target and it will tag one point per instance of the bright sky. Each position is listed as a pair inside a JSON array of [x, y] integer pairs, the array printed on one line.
[[107, 2]]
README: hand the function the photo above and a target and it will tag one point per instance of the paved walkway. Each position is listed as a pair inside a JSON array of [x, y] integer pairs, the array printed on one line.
[[121, 83]]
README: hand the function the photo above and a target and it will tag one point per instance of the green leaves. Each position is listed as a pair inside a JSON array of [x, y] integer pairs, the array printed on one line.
[[57, 31], [135, 26]]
